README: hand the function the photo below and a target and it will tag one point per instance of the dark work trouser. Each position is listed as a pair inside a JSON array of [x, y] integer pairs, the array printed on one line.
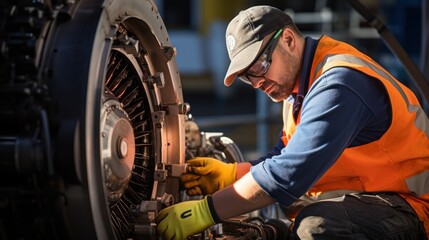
[[359, 216]]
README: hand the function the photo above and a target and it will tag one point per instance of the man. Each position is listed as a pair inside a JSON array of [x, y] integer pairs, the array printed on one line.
[[355, 140]]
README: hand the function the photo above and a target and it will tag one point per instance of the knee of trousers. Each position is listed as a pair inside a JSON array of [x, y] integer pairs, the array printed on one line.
[[308, 217], [316, 217]]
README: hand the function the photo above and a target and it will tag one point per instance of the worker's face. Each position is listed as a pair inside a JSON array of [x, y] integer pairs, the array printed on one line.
[[280, 79]]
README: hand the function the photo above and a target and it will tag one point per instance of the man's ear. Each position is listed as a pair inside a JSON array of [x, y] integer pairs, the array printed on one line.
[[288, 37], [288, 41]]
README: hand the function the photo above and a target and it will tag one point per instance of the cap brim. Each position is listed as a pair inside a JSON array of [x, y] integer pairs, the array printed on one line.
[[241, 61]]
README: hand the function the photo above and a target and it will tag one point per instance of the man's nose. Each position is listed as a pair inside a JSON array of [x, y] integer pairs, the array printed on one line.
[[256, 81]]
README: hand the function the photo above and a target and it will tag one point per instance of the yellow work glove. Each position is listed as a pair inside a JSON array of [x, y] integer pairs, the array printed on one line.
[[184, 219], [208, 175]]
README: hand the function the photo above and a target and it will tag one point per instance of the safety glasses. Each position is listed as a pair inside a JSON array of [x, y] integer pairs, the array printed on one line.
[[260, 67]]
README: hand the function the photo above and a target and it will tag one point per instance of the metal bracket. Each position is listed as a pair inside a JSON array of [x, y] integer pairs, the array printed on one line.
[[158, 79], [176, 170], [169, 52], [178, 109], [158, 118], [160, 175], [129, 44]]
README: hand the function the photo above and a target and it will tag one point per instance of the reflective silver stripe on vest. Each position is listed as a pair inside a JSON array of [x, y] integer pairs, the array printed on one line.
[[418, 183], [421, 122]]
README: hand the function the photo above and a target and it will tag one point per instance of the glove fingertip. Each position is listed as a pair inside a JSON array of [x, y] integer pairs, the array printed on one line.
[[189, 177], [160, 216], [199, 170], [161, 230], [194, 191], [198, 161]]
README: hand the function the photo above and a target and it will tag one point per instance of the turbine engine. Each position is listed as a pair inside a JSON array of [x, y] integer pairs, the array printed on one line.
[[94, 130]]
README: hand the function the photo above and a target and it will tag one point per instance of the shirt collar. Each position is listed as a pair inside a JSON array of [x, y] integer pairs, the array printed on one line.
[[309, 47]]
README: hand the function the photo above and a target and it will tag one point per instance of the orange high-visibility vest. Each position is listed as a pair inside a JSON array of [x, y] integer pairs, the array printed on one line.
[[399, 160]]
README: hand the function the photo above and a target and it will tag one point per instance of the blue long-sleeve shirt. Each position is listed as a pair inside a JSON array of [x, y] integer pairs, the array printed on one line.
[[343, 108]]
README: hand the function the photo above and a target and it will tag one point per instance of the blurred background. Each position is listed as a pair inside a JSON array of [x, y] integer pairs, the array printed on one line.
[[197, 30]]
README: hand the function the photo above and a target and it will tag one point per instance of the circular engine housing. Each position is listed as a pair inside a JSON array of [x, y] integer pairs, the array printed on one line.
[[91, 109]]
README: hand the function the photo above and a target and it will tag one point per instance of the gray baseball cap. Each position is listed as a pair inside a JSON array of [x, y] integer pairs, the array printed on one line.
[[245, 33]]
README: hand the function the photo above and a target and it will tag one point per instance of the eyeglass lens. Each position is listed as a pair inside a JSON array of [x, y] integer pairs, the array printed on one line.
[[262, 64]]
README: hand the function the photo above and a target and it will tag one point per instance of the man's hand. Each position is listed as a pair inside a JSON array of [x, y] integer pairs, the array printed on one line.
[[208, 175], [184, 219]]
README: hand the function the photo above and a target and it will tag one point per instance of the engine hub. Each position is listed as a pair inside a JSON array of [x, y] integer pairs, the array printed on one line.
[[118, 148]]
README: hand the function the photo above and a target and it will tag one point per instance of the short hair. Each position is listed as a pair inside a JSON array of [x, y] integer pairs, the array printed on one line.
[[294, 28]]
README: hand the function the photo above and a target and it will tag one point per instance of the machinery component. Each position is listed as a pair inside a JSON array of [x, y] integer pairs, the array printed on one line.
[[118, 148], [209, 144], [91, 104], [248, 228], [95, 132]]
